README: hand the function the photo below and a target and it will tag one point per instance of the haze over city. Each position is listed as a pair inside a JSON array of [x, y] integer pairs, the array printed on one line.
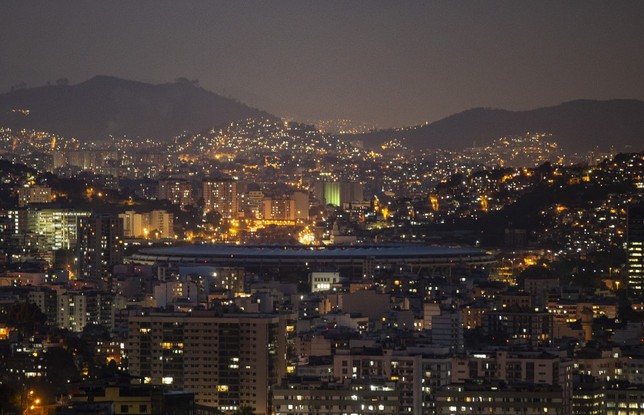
[[388, 64]]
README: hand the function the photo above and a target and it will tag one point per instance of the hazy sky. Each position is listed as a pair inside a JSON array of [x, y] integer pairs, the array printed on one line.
[[392, 63]]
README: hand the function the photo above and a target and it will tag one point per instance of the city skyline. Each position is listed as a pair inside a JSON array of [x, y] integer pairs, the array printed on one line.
[[200, 216]]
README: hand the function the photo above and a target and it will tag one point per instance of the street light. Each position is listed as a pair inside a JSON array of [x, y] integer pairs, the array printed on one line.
[[30, 402]]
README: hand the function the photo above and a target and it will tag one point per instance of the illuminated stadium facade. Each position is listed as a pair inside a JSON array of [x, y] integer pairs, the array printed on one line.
[[362, 258]]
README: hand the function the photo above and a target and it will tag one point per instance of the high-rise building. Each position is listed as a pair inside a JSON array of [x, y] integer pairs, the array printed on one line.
[[518, 327], [337, 193], [416, 375], [515, 367], [168, 292], [34, 194], [494, 370], [177, 191], [349, 397], [351, 192], [447, 330], [620, 395], [635, 248], [254, 204], [157, 224], [279, 209], [161, 224], [77, 309], [59, 227], [227, 279], [220, 195], [6, 231], [42, 231], [132, 224], [589, 396], [84, 159], [100, 246], [301, 199], [500, 398], [46, 300], [332, 193], [227, 361]]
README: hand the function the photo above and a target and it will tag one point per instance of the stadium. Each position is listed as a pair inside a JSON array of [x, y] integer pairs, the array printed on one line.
[[367, 258]]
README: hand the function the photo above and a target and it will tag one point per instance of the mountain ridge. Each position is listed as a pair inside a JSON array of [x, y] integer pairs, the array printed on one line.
[[582, 124], [106, 106]]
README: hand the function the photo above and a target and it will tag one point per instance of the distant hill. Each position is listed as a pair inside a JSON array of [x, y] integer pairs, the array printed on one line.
[[576, 126], [104, 106]]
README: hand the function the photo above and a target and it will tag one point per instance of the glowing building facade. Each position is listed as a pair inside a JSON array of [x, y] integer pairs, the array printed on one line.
[[220, 195], [635, 248]]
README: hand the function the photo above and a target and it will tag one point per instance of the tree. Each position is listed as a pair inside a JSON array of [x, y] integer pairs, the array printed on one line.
[[26, 317], [213, 218], [95, 332], [61, 367], [9, 398]]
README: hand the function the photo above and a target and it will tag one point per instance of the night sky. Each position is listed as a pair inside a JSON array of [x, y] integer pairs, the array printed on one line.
[[388, 63]]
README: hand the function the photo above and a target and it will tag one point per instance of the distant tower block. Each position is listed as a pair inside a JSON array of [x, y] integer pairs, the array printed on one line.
[[635, 250], [221, 195], [587, 323]]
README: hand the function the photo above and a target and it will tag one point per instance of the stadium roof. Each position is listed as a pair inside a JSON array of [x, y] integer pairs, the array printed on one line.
[[218, 253]]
